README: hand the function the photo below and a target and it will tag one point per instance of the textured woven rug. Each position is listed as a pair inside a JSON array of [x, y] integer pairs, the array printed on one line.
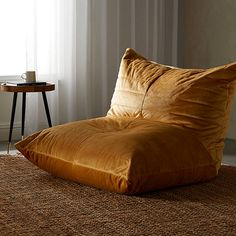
[[32, 202]]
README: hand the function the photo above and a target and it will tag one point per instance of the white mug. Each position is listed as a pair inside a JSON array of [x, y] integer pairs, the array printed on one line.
[[29, 76]]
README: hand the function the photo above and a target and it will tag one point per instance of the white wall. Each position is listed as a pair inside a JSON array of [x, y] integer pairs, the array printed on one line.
[[207, 37], [5, 115]]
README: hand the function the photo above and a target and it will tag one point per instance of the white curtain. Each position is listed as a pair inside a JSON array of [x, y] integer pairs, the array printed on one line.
[[78, 44], [105, 28], [51, 51]]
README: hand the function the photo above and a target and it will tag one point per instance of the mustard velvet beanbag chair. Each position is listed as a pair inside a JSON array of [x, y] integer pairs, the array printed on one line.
[[165, 127]]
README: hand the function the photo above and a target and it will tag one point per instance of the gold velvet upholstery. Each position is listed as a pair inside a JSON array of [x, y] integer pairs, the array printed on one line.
[[197, 99], [166, 127]]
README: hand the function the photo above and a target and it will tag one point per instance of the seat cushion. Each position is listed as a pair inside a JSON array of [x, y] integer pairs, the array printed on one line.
[[196, 99], [124, 155]]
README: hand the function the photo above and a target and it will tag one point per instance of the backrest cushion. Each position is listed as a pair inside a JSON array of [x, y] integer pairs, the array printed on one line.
[[136, 74], [197, 99]]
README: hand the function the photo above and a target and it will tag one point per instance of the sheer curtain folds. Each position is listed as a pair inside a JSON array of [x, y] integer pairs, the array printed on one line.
[[78, 45], [51, 51], [105, 28]]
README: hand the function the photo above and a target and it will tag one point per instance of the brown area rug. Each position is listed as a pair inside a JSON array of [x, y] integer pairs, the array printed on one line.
[[32, 202]]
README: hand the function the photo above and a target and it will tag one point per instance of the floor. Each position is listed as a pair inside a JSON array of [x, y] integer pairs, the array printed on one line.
[[3, 147], [229, 157]]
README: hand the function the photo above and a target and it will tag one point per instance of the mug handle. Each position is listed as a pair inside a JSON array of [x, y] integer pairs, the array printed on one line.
[[23, 76]]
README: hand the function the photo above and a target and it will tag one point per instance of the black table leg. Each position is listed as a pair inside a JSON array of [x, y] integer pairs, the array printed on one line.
[[12, 120], [23, 114], [47, 109]]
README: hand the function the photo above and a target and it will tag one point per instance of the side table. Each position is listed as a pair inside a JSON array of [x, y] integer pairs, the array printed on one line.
[[26, 89]]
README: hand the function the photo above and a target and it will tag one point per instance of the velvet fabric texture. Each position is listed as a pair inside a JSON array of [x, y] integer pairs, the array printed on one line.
[[196, 99], [166, 127]]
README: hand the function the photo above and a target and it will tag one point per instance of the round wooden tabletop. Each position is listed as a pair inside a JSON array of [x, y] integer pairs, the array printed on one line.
[[26, 88]]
